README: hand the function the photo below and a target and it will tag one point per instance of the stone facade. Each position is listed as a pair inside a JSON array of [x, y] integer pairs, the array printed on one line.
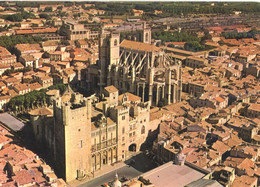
[[74, 30], [140, 68], [100, 133]]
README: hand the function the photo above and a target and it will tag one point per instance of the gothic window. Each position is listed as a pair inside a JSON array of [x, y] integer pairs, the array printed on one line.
[[146, 37], [123, 130], [123, 117], [143, 130], [173, 74], [121, 73], [115, 42]]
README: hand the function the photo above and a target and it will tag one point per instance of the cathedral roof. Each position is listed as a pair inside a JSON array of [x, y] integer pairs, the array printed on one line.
[[139, 46]]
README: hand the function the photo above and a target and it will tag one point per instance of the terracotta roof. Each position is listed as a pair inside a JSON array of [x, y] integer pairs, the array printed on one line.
[[45, 68], [69, 71], [131, 97], [23, 177], [111, 89], [35, 86], [244, 181], [28, 47], [139, 46], [21, 87], [219, 99], [35, 31], [18, 65], [220, 147], [41, 112], [255, 107], [49, 43], [3, 66], [82, 42]]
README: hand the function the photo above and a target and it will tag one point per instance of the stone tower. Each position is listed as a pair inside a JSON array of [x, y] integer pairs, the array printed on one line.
[[109, 49], [72, 129], [147, 34]]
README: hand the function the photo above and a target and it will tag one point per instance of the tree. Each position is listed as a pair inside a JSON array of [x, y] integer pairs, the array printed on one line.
[[45, 16], [27, 15], [194, 46], [15, 17], [62, 14], [61, 87], [206, 36], [48, 9]]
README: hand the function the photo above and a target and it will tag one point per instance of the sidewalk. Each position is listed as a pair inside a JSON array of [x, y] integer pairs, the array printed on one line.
[[104, 170]]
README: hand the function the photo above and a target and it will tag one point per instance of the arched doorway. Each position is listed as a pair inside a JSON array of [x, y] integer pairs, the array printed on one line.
[[104, 159], [132, 147]]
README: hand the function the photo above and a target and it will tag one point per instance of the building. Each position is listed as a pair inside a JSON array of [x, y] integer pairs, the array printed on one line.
[[27, 48], [170, 174], [74, 30], [196, 62], [50, 46], [140, 68], [6, 57], [58, 55], [138, 31], [99, 134], [47, 33]]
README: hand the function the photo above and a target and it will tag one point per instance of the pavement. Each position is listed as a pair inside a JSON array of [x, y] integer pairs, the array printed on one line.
[[105, 169], [141, 165], [125, 171]]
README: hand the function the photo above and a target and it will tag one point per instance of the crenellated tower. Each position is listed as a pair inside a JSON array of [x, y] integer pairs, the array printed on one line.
[[72, 129]]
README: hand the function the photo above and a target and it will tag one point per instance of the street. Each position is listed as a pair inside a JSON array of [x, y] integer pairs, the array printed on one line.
[[126, 171], [141, 165]]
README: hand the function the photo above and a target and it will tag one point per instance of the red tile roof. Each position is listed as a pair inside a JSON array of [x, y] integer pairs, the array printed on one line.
[[111, 89]]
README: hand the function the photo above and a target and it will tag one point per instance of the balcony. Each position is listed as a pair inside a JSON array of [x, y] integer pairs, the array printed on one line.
[[103, 145]]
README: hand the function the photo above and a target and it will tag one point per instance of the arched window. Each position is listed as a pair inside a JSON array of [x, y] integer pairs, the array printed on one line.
[[146, 37], [143, 130], [115, 42]]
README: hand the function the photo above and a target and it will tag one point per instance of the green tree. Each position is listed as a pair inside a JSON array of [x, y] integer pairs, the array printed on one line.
[[61, 87], [194, 46], [45, 16], [15, 17], [48, 9]]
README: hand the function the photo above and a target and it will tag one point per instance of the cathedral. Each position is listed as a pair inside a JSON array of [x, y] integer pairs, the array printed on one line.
[[102, 129], [136, 66]]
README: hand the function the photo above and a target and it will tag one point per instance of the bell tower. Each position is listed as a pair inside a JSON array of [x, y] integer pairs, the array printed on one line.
[[147, 34], [109, 54]]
